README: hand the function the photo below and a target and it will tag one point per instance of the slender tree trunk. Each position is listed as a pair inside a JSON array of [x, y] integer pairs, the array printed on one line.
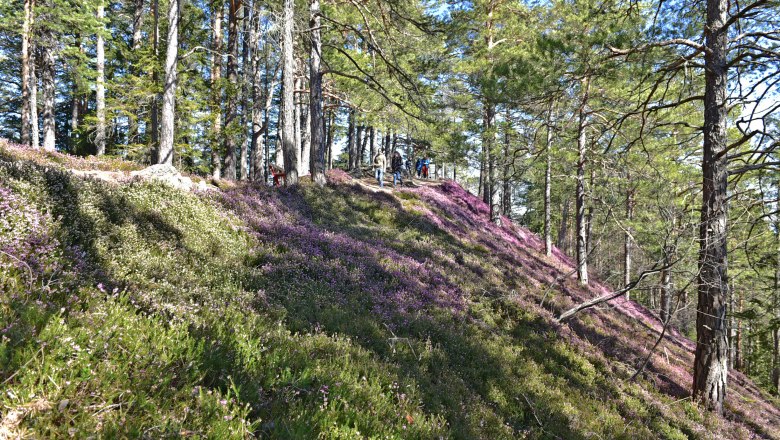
[[506, 184], [582, 227], [243, 163], [216, 88], [291, 151], [231, 109], [74, 116], [776, 308], [627, 237], [100, 86], [35, 140], [548, 187], [372, 143], [710, 370], [257, 95], [167, 133], [134, 134], [351, 141], [297, 99], [738, 335], [667, 288], [358, 155], [155, 113], [491, 187], [27, 59], [331, 135], [316, 117], [47, 82]]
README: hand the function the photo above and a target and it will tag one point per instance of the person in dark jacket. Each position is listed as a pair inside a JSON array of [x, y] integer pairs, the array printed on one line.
[[396, 166], [418, 166]]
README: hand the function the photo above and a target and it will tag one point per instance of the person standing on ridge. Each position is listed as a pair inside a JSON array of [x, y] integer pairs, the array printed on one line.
[[418, 166], [380, 163], [425, 166], [396, 166]]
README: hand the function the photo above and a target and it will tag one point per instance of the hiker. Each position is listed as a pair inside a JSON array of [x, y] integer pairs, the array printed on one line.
[[418, 166], [425, 165], [380, 163], [396, 165]]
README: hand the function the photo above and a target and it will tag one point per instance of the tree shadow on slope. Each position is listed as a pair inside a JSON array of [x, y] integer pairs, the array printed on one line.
[[347, 281]]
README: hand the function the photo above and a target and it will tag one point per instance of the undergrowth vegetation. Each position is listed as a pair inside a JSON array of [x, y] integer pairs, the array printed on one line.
[[135, 310]]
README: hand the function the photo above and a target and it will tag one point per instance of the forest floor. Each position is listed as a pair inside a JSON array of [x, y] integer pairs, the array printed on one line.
[[133, 309]]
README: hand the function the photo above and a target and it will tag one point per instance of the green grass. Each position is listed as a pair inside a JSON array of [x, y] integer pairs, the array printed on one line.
[[185, 320]]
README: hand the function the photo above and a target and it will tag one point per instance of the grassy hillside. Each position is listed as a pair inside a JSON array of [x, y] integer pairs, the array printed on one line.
[[136, 310]]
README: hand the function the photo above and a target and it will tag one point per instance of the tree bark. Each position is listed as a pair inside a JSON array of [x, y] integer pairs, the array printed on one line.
[[331, 134], [710, 370], [667, 288], [291, 151], [155, 113], [138, 20], [582, 227], [216, 88], [27, 25], [47, 82], [776, 308], [506, 185], [100, 86], [231, 109], [35, 140], [548, 187], [316, 117], [488, 143], [243, 163], [351, 141], [627, 237], [165, 155]]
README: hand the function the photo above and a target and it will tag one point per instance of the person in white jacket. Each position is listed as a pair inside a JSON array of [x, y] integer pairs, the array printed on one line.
[[380, 163]]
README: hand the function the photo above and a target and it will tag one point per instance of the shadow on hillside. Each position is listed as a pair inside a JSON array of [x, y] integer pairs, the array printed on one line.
[[457, 374]]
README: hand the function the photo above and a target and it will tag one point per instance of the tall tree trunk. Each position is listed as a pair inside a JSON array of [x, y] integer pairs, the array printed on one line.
[[582, 227], [155, 113], [27, 59], [372, 143], [738, 334], [243, 163], [134, 134], [35, 140], [291, 151], [216, 88], [331, 135], [74, 116], [358, 154], [776, 309], [667, 288], [47, 82], [351, 141], [627, 237], [548, 187], [100, 85], [491, 188], [316, 117], [231, 111], [165, 155], [710, 370], [138, 23], [482, 191], [506, 184]]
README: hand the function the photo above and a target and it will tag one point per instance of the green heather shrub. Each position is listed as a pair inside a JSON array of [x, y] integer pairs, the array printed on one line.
[[138, 311]]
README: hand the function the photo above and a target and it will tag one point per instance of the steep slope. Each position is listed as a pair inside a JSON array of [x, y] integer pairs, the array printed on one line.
[[342, 312]]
